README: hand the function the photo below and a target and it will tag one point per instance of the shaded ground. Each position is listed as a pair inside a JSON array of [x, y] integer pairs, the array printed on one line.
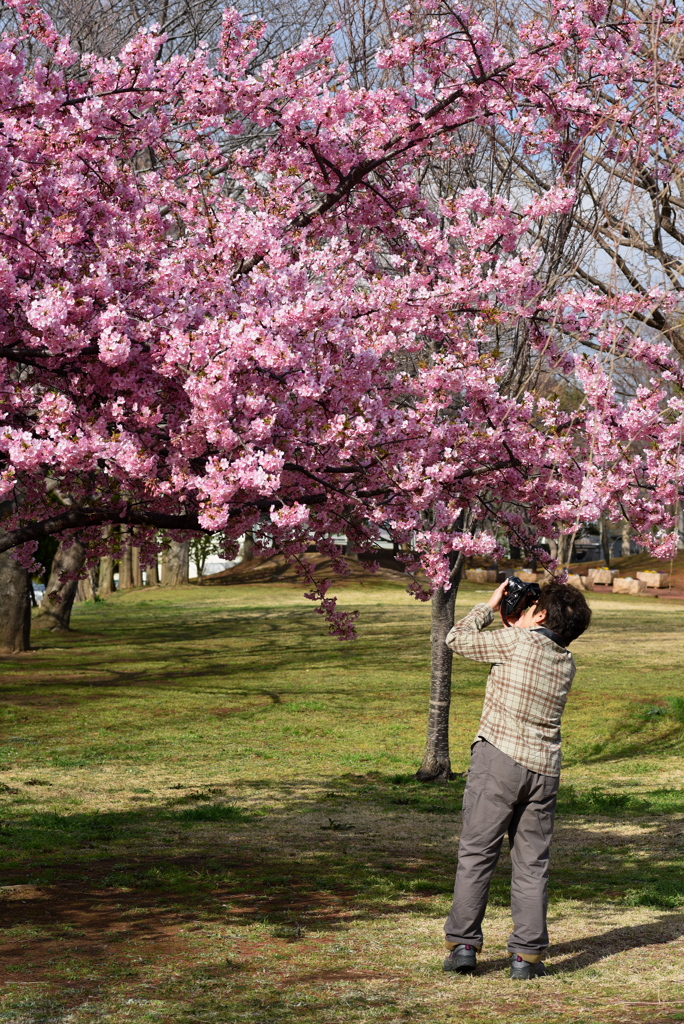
[[209, 815]]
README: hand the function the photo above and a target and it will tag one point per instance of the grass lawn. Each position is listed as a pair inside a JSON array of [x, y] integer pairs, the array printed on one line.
[[209, 815]]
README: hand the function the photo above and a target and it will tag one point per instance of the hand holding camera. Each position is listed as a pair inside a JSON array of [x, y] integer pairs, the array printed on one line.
[[497, 597], [513, 597]]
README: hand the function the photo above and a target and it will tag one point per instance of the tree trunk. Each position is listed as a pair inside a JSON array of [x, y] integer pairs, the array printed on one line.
[[15, 606], [605, 539], [566, 542], [86, 589], [125, 562], [105, 579], [176, 564], [436, 766], [350, 550], [136, 571], [105, 584], [626, 538], [152, 575], [55, 612]]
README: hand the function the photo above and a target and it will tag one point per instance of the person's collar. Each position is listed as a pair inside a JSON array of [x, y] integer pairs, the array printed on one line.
[[551, 635]]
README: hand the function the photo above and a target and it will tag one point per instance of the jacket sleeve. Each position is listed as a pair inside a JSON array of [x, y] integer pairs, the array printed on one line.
[[467, 638]]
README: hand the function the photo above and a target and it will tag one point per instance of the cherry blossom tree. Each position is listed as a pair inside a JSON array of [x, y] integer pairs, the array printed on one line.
[[234, 302]]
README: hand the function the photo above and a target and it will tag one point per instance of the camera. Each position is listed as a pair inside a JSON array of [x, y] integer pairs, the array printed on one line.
[[518, 597]]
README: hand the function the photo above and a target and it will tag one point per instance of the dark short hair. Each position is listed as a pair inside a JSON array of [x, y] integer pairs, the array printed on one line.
[[567, 612]]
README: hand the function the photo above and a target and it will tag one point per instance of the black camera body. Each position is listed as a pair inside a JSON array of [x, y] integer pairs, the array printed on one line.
[[518, 597]]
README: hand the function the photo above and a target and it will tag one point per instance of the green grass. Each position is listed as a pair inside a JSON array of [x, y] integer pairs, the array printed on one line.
[[209, 814]]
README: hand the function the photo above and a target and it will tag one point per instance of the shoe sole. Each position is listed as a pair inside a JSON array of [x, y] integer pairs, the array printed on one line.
[[466, 969]]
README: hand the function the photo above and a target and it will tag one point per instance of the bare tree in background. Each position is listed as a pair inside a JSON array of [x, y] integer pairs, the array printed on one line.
[[623, 232], [104, 26], [359, 27]]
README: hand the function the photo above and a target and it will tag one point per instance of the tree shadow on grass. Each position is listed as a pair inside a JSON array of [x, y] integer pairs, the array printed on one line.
[[214, 654], [99, 903], [578, 954], [646, 728], [134, 627], [357, 847], [622, 745]]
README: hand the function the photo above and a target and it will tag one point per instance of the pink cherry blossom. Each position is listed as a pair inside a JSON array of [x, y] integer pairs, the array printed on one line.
[[228, 304]]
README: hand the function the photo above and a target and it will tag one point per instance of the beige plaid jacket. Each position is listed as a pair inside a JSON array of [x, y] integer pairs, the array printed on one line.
[[527, 688]]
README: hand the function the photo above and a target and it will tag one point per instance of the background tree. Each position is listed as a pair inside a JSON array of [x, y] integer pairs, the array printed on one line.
[[176, 564], [125, 561], [200, 549], [626, 544], [105, 582], [62, 585], [15, 603], [152, 573]]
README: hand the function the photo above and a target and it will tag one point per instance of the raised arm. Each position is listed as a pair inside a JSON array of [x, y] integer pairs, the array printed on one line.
[[466, 637]]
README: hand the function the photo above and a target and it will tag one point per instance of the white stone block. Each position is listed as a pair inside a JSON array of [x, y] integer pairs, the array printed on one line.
[[626, 585], [654, 579], [603, 575], [576, 581], [481, 575]]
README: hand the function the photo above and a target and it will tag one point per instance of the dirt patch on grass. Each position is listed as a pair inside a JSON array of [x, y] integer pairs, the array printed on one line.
[[46, 929]]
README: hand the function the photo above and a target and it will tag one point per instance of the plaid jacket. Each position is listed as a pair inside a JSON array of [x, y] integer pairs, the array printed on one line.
[[527, 688]]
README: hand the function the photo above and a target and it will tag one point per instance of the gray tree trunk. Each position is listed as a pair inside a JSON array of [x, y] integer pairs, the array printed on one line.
[[105, 584], [605, 539], [436, 766], [136, 571], [125, 562], [626, 538], [15, 606], [566, 542], [87, 588], [55, 611], [152, 575], [176, 564], [105, 581]]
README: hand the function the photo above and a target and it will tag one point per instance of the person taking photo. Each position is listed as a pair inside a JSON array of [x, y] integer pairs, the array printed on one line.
[[515, 765]]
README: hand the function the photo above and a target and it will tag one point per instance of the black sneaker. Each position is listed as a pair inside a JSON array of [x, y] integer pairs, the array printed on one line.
[[523, 971], [462, 959]]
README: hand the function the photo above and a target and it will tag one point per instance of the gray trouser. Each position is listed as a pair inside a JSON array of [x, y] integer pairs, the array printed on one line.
[[501, 796]]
